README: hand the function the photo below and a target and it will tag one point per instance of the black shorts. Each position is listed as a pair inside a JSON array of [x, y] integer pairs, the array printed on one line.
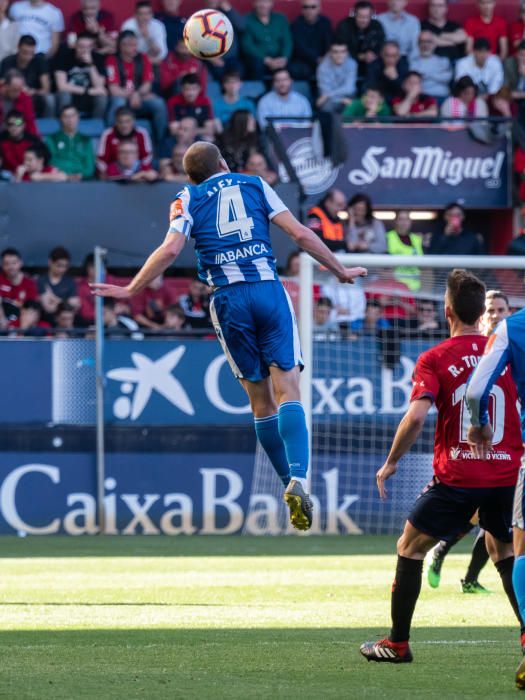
[[444, 512]]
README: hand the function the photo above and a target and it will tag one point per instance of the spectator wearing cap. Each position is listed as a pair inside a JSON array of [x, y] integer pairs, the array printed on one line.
[[450, 37], [413, 102], [36, 167], [14, 97], [190, 102], [71, 152], [128, 166], [312, 36], [150, 32], [130, 81], [178, 63], [42, 20], [514, 79], [9, 32], [454, 239], [464, 101], [389, 71], [282, 101], [401, 27], [336, 79], [485, 69], [370, 106], [230, 100], [56, 286], [363, 35], [15, 140], [266, 43], [35, 69], [126, 129], [324, 219], [98, 23], [488, 26], [436, 71]]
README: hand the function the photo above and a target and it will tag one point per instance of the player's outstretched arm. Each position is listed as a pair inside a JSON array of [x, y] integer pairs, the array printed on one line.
[[411, 425], [155, 265], [312, 244]]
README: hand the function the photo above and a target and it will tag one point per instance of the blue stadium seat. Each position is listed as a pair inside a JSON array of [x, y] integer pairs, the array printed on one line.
[[253, 89], [213, 90], [47, 126], [303, 88], [91, 127], [145, 124]]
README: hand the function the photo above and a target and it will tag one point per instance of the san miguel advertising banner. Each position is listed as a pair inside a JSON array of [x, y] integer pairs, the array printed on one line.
[[406, 165]]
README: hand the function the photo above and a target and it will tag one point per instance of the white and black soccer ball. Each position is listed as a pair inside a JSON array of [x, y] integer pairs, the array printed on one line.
[[208, 34]]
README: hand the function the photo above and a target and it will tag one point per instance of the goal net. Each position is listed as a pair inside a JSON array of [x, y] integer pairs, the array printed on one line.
[[360, 344]]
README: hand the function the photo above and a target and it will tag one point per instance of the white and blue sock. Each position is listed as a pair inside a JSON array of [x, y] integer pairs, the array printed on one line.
[[267, 430], [294, 434]]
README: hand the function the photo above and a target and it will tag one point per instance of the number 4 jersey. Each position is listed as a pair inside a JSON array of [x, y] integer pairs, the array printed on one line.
[[228, 215], [441, 375]]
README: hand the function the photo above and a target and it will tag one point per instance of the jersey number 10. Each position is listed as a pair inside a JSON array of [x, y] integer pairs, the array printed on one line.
[[231, 214], [496, 411]]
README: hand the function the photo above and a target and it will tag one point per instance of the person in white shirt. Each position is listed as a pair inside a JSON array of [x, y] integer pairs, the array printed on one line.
[[349, 306], [150, 32], [436, 70], [336, 79], [41, 20], [282, 101], [9, 33], [485, 69], [401, 27]]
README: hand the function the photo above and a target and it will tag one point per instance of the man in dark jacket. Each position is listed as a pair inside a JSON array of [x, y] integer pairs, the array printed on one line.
[[454, 240], [363, 36], [312, 37]]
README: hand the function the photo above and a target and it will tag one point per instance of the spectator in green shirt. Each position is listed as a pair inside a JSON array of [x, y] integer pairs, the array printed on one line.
[[266, 41], [371, 105], [70, 151]]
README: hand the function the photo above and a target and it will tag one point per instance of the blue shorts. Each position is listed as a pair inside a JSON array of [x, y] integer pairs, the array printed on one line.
[[256, 326]]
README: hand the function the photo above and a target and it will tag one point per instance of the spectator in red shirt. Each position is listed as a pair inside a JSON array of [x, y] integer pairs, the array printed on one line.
[[124, 129], [13, 96], [30, 322], [15, 286], [176, 65], [517, 30], [128, 166], [191, 103], [91, 19], [36, 168], [15, 140], [487, 26], [413, 103], [149, 306], [130, 80]]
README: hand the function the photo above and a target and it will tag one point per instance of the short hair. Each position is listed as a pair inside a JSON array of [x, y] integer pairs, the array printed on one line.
[[127, 142], [325, 301], [14, 113], [229, 74], [481, 44], [363, 5], [65, 108], [10, 251], [125, 34], [281, 70], [413, 72], [143, 3], [402, 211], [374, 87], [497, 294], [190, 79], [124, 111], [177, 310], [462, 84], [26, 40], [40, 151], [454, 205], [85, 35], [11, 74], [201, 161], [391, 42], [466, 295], [59, 253], [64, 306]]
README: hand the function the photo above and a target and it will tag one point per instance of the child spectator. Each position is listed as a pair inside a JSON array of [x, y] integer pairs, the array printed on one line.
[[36, 168], [370, 106], [191, 103], [56, 286], [230, 100], [128, 166], [311, 36], [124, 129], [149, 306], [30, 322], [389, 71], [70, 151], [178, 63], [172, 169], [15, 140], [65, 320], [256, 164], [336, 79], [413, 103], [464, 101], [13, 96], [196, 305], [175, 318], [487, 26], [15, 286], [35, 69], [9, 32], [239, 139], [324, 326], [130, 80], [42, 20], [151, 32], [266, 42], [80, 78], [98, 23], [365, 234]]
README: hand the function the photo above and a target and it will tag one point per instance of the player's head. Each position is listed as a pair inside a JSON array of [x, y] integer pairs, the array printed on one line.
[[464, 298], [497, 308], [202, 160]]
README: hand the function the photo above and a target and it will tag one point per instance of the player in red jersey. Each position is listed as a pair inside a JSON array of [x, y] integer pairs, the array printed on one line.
[[462, 483]]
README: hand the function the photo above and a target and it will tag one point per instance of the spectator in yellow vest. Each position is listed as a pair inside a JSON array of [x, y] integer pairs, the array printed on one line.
[[400, 241], [324, 220]]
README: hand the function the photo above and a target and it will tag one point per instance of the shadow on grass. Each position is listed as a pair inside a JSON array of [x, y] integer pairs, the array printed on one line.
[[450, 662]]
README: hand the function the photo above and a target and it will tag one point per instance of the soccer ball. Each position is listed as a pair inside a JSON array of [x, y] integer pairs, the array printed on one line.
[[208, 34]]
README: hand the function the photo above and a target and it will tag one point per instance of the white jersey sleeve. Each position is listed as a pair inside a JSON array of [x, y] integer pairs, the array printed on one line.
[[274, 203], [181, 221]]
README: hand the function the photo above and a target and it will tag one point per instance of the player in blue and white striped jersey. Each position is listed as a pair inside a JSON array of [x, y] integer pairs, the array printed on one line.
[[228, 216], [505, 347]]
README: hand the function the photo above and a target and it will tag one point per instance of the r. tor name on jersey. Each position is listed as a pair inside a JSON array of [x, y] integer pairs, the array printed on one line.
[[247, 251]]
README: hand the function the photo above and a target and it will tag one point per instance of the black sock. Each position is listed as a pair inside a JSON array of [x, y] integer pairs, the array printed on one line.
[[405, 592], [504, 568], [479, 558], [444, 547]]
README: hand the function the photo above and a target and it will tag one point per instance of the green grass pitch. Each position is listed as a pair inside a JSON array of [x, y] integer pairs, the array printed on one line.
[[233, 617]]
